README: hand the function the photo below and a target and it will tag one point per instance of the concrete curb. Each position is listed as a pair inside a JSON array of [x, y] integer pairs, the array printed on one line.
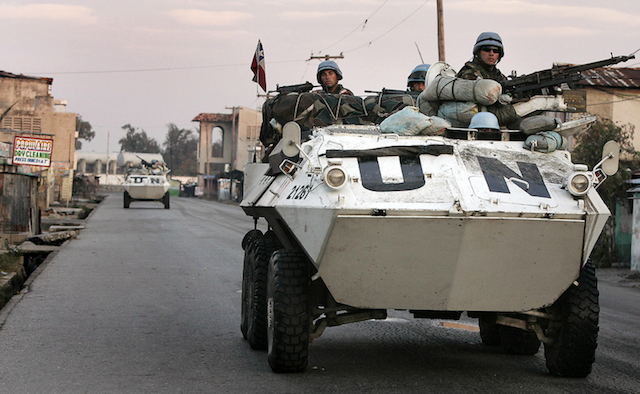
[[12, 287], [8, 307]]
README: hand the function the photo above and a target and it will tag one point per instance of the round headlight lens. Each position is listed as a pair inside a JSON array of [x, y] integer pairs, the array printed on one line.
[[335, 177], [579, 184]]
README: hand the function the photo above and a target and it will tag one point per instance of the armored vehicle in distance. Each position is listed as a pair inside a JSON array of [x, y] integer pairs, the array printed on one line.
[[147, 182]]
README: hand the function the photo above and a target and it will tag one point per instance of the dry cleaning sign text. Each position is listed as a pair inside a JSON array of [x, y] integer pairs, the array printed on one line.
[[32, 151]]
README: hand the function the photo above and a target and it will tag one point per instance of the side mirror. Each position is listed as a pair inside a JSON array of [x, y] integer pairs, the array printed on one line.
[[610, 158], [291, 139]]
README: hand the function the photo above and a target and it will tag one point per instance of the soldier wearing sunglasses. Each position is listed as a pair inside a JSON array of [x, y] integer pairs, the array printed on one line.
[[487, 52]]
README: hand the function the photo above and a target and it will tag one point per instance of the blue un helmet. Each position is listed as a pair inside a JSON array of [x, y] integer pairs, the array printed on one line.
[[488, 39], [328, 65], [484, 120], [418, 74]]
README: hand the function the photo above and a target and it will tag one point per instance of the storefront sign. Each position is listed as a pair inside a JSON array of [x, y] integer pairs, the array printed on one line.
[[32, 151]]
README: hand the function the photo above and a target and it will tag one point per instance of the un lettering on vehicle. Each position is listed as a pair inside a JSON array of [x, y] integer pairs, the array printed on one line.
[[496, 174], [152, 180]]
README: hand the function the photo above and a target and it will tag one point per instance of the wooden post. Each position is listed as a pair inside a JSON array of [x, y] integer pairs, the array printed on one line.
[[440, 32]]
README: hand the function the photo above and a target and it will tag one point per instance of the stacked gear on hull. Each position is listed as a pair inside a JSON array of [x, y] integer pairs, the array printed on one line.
[[318, 109], [447, 101]]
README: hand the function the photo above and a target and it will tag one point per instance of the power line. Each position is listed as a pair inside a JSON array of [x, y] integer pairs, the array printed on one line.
[[157, 69], [614, 101], [364, 24], [388, 31], [235, 65]]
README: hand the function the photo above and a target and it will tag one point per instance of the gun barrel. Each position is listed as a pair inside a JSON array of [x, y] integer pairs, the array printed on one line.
[[601, 63], [524, 85]]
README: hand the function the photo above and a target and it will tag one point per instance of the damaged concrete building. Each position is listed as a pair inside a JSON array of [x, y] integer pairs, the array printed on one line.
[[28, 108]]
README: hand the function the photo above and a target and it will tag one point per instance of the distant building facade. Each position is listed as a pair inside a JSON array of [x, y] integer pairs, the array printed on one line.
[[226, 143], [614, 94], [28, 108]]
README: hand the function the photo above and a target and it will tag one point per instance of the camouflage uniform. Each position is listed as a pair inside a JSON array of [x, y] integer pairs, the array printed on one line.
[[339, 90], [475, 69]]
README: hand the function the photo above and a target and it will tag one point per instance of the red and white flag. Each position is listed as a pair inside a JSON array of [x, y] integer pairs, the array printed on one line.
[[257, 66]]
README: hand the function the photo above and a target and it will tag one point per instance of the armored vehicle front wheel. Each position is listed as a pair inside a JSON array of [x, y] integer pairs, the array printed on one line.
[[255, 293], [288, 311], [127, 199], [250, 236], [575, 337], [165, 200], [247, 246]]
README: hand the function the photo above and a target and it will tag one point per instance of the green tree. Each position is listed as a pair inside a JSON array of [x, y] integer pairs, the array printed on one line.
[[179, 153], [137, 141], [614, 190], [85, 131]]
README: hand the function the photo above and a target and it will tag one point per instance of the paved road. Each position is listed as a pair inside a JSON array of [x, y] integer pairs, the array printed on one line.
[[147, 300]]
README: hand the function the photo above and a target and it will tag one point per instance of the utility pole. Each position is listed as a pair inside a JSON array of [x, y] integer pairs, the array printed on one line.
[[327, 57], [234, 136], [440, 32]]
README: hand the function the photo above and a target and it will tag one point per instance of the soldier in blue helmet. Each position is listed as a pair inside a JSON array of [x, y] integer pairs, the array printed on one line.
[[484, 122], [487, 53], [328, 76], [416, 80]]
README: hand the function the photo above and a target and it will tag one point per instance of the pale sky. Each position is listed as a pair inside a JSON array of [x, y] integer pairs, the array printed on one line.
[[154, 62]]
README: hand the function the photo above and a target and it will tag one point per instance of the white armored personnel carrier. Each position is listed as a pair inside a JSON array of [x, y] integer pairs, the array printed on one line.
[[147, 182], [361, 222]]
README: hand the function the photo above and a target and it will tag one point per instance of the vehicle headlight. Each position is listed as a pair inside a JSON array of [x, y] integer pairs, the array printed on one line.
[[335, 177], [579, 183]]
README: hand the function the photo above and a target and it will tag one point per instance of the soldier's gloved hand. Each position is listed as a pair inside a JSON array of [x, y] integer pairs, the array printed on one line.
[[540, 103], [505, 99]]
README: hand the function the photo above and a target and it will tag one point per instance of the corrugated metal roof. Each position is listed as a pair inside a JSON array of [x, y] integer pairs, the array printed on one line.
[[628, 78], [5, 74], [213, 118]]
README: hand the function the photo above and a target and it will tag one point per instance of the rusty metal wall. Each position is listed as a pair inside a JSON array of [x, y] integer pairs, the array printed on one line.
[[16, 203]]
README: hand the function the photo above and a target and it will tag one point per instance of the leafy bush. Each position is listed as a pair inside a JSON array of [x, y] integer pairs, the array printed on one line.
[[588, 150]]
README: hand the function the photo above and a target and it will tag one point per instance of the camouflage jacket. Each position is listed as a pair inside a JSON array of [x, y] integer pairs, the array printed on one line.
[[339, 90], [476, 69]]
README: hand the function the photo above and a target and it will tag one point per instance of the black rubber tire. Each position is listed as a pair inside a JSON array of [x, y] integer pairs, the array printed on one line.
[[288, 312], [247, 237], [576, 339], [246, 277], [517, 341], [127, 199], [256, 297], [247, 245], [489, 332], [166, 200]]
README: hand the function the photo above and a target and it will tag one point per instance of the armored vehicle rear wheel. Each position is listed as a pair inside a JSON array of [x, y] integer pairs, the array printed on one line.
[[489, 330], [127, 199], [517, 341], [165, 200], [576, 336], [255, 294], [288, 316]]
